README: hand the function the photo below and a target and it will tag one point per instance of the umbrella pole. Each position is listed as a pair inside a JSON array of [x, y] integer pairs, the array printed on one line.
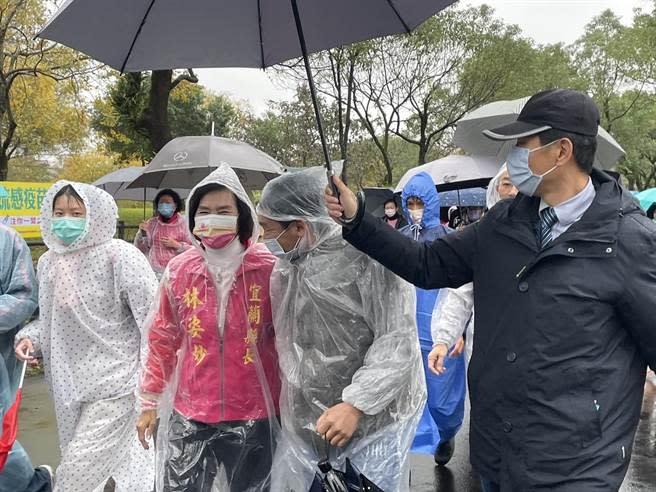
[[144, 205], [313, 95]]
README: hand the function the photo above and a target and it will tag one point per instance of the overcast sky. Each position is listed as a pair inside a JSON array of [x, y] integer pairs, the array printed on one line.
[[546, 21]]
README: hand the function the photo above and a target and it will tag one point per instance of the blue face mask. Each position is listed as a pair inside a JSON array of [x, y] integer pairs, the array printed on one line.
[[520, 173], [68, 229], [273, 245], [166, 210]]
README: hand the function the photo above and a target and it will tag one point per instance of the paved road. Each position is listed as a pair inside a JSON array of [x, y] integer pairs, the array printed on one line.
[[460, 477], [38, 435]]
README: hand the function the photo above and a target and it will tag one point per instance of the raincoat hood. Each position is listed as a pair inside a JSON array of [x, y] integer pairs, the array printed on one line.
[[492, 196], [423, 187], [299, 196], [102, 213], [224, 176]]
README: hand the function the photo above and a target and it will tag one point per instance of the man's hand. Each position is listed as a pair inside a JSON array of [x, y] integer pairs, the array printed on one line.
[[436, 358], [23, 351], [337, 424], [344, 207], [146, 426], [171, 243]]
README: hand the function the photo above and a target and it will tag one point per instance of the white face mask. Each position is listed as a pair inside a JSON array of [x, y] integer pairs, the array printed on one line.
[[417, 215], [214, 225], [390, 212]]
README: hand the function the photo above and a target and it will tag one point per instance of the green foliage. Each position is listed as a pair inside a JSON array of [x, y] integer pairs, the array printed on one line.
[[118, 117]]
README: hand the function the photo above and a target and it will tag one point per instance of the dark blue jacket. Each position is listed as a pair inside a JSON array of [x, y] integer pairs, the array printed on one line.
[[563, 334]]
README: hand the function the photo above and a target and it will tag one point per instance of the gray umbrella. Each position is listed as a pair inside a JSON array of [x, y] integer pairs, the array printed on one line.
[[136, 35], [469, 136], [185, 161], [116, 184]]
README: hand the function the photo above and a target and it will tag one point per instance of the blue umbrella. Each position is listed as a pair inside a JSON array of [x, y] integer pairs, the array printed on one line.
[[469, 197], [647, 198]]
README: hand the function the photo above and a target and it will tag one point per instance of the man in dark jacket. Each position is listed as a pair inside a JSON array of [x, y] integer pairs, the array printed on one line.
[[565, 281]]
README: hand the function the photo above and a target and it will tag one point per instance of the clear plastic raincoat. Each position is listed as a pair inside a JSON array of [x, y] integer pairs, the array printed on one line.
[[150, 243], [18, 300], [345, 332], [454, 313], [212, 370], [94, 296]]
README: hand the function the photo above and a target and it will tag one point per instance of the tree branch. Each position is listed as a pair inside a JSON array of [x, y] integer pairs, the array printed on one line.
[[188, 76]]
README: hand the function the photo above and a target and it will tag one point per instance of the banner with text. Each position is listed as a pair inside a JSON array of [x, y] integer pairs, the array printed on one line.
[[20, 206]]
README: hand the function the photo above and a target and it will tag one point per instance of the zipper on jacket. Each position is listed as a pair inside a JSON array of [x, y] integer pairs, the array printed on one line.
[[222, 395]]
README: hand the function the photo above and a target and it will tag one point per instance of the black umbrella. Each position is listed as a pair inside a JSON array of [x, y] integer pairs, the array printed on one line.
[[350, 480], [136, 35]]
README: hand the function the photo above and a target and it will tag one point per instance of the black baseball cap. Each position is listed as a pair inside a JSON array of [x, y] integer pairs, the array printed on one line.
[[556, 109]]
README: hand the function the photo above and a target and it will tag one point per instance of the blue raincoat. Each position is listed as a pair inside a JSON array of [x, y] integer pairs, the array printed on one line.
[[445, 408], [18, 300]]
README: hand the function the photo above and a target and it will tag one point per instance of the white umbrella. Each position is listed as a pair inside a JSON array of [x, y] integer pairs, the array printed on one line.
[[469, 136], [456, 172], [185, 161], [116, 184]]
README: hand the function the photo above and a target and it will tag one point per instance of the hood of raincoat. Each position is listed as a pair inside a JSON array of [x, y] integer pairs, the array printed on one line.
[[492, 196], [299, 196], [102, 213], [423, 187], [225, 176]]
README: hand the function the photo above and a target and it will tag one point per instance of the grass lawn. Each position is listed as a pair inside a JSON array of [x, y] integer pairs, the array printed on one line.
[[134, 215]]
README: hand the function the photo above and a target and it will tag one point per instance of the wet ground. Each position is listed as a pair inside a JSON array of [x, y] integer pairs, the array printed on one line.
[[38, 435]]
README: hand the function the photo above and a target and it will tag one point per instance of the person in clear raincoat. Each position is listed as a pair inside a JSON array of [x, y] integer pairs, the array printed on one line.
[[211, 373], [94, 296], [166, 235], [347, 345], [18, 300], [454, 313]]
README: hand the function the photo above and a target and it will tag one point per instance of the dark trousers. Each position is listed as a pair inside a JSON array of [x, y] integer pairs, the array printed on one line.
[[197, 451], [489, 486]]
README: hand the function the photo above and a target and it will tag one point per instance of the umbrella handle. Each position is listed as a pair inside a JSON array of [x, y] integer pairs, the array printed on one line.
[[22, 378]]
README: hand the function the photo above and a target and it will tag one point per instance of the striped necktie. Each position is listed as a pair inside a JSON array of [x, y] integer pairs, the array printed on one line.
[[548, 219]]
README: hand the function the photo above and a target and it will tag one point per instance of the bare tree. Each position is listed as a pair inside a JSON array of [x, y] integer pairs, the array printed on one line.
[[334, 77], [452, 65]]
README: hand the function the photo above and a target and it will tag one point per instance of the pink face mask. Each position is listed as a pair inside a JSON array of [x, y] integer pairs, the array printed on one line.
[[220, 241]]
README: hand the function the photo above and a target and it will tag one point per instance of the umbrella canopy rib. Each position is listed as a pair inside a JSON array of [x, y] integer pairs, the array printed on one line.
[[136, 36]]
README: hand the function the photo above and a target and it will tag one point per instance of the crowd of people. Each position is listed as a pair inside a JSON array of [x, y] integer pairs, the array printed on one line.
[[236, 348]]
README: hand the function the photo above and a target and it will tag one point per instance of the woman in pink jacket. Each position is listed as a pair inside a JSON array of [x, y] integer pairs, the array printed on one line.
[[211, 373], [166, 235]]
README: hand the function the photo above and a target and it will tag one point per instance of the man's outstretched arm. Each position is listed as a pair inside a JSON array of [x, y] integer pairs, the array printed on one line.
[[446, 262]]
